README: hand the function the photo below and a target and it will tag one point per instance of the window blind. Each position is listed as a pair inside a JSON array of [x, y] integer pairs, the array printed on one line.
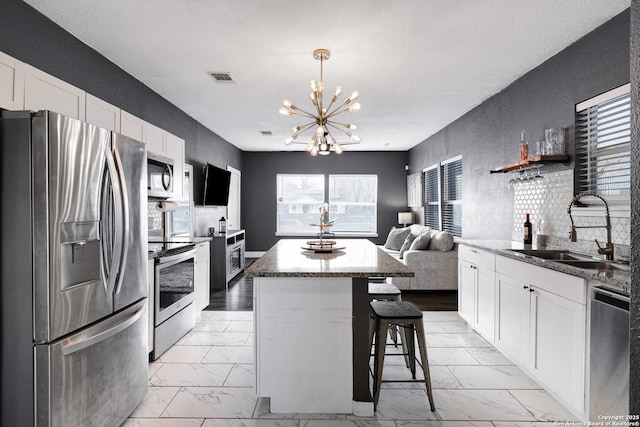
[[603, 144], [431, 198], [452, 196]]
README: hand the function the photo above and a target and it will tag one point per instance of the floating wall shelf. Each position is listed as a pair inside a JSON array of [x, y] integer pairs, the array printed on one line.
[[531, 161]]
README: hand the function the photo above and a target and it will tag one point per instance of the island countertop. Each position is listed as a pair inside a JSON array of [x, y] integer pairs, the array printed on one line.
[[359, 258]]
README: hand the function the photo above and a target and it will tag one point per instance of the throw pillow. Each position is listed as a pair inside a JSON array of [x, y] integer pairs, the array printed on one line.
[[396, 238], [441, 241], [407, 244], [421, 241]]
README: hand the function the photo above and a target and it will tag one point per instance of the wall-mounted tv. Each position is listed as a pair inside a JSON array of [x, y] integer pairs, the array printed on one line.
[[216, 186]]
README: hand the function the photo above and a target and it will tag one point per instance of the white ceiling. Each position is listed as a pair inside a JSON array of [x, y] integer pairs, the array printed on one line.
[[418, 64]]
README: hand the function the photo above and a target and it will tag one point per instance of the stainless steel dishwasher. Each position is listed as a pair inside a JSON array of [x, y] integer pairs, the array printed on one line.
[[609, 346]]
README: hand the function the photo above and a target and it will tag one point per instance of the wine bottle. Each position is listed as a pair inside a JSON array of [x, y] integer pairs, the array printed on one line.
[[528, 235]]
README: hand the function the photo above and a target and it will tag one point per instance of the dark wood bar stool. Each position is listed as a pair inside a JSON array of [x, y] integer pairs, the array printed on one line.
[[406, 315], [382, 291]]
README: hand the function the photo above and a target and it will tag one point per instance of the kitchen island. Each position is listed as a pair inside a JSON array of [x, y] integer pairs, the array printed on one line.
[[311, 325]]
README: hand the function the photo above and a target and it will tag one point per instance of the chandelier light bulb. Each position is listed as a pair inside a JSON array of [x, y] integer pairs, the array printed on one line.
[[353, 96], [354, 107], [337, 92], [356, 138], [320, 131], [312, 143], [288, 141], [337, 148], [285, 112], [350, 126], [314, 150], [286, 103]]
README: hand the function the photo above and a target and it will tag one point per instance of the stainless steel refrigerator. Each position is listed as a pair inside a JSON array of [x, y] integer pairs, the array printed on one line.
[[74, 282]]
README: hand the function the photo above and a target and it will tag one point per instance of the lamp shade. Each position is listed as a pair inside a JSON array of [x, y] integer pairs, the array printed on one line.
[[405, 218]]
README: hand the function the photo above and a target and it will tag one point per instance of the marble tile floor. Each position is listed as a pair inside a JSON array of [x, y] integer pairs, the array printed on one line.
[[206, 380]]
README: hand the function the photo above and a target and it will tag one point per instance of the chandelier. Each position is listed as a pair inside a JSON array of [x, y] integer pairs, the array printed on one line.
[[322, 121]]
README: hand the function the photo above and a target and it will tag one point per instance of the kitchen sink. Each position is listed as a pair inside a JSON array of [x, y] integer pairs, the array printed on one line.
[[595, 264], [554, 255]]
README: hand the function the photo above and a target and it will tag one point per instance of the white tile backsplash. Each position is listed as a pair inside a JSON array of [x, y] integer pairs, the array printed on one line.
[[547, 200]]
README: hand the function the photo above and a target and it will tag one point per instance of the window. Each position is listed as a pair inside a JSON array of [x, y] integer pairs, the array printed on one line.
[[432, 197], [352, 202], [299, 200], [603, 144], [443, 196]]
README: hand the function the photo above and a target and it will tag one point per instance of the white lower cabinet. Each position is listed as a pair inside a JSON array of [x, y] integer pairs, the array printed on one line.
[[558, 343], [512, 317], [476, 289], [541, 325], [201, 279]]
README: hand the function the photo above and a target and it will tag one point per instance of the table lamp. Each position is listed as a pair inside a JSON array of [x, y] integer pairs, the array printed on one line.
[[405, 218]]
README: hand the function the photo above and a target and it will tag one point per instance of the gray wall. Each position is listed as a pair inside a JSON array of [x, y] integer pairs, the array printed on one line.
[[259, 187], [488, 136], [31, 37], [634, 320]]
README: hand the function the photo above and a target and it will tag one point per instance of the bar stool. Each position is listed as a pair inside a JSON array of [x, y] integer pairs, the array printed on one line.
[[406, 315], [383, 291]]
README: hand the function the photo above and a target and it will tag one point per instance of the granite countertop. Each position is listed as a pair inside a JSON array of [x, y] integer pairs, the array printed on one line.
[[359, 258], [617, 278]]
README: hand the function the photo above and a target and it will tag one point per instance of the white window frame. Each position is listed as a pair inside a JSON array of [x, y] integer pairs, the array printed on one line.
[[310, 231], [327, 192], [375, 204], [439, 192], [441, 200], [619, 205]]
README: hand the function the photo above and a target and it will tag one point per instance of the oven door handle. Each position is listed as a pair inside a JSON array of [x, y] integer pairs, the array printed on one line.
[[182, 256]]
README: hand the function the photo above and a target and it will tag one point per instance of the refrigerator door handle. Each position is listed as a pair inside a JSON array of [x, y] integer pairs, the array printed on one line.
[[124, 218], [117, 233], [91, 337]]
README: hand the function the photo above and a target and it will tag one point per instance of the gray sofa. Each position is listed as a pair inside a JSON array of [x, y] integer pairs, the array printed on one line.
[[436, 268]]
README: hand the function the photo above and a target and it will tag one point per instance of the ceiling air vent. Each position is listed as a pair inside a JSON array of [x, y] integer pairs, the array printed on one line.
[[221, 77], [266, 133]]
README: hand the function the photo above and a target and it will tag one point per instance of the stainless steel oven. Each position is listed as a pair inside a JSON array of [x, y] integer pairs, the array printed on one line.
[[174, 313]]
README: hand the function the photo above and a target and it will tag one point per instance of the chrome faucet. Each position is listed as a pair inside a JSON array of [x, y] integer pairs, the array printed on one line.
[[607, 250]]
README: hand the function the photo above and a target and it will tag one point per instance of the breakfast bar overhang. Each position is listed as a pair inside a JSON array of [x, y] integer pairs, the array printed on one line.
[[312, 322]]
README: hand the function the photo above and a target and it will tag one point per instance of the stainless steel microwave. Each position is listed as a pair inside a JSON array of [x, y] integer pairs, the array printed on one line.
[[159, 176]]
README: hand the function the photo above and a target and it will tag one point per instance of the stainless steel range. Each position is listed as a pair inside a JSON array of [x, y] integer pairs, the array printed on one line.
[[174, 311]]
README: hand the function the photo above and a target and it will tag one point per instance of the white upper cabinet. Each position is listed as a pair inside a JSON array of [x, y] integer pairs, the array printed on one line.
[[11, 83], [103, 114], [156, 139], [175, 151], [45, 92], [132, 126]]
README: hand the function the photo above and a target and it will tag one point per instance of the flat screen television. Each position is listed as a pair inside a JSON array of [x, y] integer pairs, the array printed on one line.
[[216, 186]]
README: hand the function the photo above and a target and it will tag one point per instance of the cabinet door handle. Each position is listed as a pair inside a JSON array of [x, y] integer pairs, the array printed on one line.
[[525, 287]]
